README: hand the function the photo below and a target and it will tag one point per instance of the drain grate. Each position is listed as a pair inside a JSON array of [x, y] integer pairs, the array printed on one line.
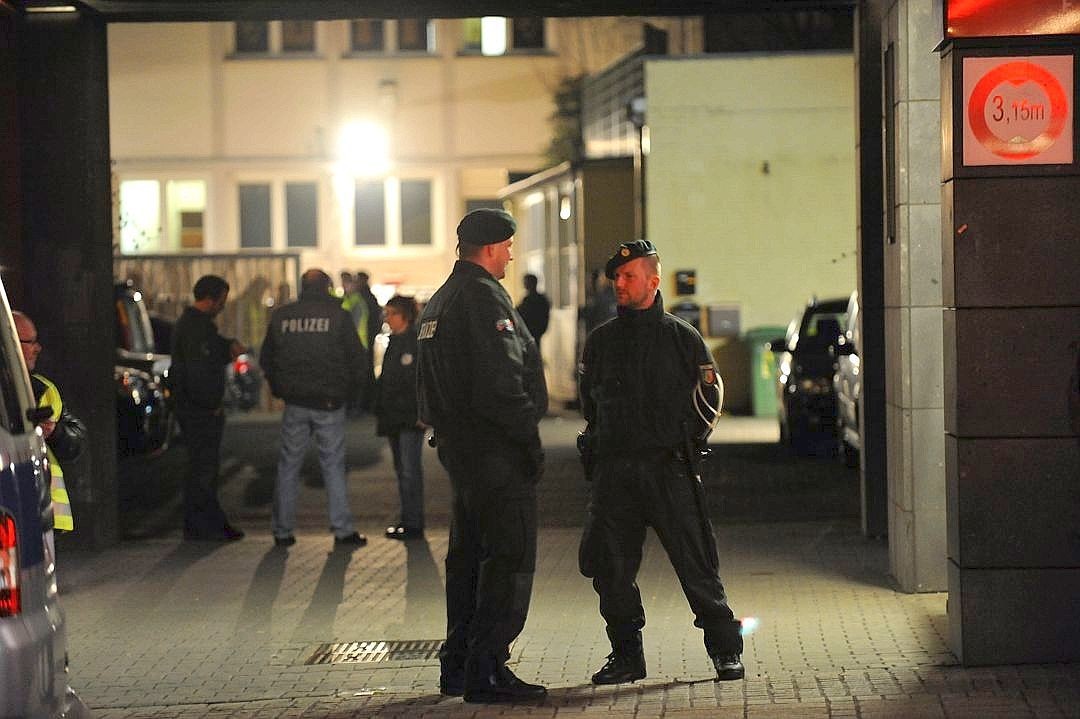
[[378, 650]]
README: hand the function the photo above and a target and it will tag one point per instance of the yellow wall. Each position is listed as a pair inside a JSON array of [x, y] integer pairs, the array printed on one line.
[[160, 91], [767, 240]]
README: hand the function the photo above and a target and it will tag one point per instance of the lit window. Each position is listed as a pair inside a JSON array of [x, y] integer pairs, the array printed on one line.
[[500, 35], [140, 216], [185, 203]]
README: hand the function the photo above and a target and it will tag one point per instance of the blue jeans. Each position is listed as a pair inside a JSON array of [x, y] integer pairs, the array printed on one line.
[[406, 447], [297, 426]]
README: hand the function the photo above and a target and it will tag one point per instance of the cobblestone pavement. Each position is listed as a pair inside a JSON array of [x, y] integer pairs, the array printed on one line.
[[163, 628]]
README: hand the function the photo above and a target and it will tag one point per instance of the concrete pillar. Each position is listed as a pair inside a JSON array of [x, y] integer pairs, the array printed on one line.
[[1010, 235], [66, 240], [913, 300]]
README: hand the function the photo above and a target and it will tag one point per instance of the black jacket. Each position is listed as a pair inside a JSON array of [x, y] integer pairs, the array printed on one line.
[[638, 375], [66, 440], [480, 376], [312, 355], [395, 393], [199, 356]]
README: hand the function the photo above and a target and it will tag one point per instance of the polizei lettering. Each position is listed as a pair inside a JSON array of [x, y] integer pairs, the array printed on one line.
[[305, 324]]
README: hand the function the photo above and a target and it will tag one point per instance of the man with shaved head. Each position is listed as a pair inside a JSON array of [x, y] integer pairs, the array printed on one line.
[[313, 359]]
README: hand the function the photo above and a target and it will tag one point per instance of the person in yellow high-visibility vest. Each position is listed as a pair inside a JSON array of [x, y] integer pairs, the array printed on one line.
[[63, 432]]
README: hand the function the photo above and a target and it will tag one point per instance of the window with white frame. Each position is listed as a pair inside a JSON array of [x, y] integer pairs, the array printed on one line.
[[502, 36], [161, 215], [279, 37], [302, 214], [278, 214], [406, 35], [255, 217], [393, 212]]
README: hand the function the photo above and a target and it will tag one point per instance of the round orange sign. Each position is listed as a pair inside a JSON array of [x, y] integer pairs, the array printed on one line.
[[1018, 110]]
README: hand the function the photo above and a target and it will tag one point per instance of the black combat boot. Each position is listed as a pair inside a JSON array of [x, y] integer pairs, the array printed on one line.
[[728, 667], [626, 663], [488, 681]]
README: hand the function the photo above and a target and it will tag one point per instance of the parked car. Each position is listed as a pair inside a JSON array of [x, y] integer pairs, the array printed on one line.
[[848, 383], [805, 396], [144, 416], [33, 641]]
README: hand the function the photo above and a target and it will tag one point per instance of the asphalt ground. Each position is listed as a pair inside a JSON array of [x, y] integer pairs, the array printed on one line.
[[159, 627]]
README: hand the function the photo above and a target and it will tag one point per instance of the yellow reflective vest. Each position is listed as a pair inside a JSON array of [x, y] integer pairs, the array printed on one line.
[[62, 517]]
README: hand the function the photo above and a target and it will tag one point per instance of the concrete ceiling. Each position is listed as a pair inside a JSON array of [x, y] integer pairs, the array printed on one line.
[[211, 10]]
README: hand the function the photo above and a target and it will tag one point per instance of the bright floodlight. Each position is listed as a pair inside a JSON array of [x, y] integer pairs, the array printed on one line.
[[364, 148]]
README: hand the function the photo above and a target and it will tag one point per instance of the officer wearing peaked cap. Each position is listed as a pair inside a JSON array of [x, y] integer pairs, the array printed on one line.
[[651, 396], [481, 386]]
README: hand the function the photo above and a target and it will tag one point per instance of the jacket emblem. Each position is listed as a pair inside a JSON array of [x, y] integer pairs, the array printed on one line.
[[504, 326], [708, 374], [406, 359]]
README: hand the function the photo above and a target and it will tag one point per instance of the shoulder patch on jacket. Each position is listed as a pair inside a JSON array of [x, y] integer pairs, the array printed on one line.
[[506, 325], [708, 374]]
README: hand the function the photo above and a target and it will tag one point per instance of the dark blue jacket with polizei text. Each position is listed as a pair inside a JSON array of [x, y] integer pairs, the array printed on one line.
[[312, 355]]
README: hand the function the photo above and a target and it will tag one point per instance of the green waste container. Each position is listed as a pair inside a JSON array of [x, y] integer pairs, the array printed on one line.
[[763, 369]]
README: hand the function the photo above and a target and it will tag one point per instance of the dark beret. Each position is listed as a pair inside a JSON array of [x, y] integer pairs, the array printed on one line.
[[486, 227], [628, 251]]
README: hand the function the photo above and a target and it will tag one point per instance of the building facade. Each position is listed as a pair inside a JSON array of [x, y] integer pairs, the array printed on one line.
[[357, 143]]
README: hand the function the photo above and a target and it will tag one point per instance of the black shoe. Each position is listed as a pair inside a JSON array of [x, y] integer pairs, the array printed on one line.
[[496, 684], [402, 532], [728, 667], [621, 667], [286, 541], [352, 540]]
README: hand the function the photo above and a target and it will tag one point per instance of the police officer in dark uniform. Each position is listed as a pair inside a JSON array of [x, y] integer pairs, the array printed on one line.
[[481, 386], [651, 396]]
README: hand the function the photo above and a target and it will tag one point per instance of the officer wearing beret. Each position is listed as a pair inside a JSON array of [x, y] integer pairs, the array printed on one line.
[[650, 395], [481, 386]]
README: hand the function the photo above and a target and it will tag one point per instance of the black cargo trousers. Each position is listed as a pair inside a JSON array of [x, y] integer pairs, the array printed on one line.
[[629, 493], [492, 554]]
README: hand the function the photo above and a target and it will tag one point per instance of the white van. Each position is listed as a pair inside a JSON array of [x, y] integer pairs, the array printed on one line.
[[33, 643]]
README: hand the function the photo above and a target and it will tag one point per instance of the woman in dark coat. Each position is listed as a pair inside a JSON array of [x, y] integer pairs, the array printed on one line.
[[397, 417]]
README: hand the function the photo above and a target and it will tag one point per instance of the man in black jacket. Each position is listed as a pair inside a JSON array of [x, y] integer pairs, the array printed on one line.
[[197, 380], [313, 359], [481, 386], [650, 394]]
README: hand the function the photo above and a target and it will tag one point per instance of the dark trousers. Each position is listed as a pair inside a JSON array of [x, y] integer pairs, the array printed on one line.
[[628, 494], [202, 436], [492, 554]]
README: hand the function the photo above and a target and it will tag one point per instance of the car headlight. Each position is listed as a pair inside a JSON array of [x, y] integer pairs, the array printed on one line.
[[815, 385]]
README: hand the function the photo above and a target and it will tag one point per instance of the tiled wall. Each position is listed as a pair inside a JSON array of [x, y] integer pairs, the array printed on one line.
[[913, 307]]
